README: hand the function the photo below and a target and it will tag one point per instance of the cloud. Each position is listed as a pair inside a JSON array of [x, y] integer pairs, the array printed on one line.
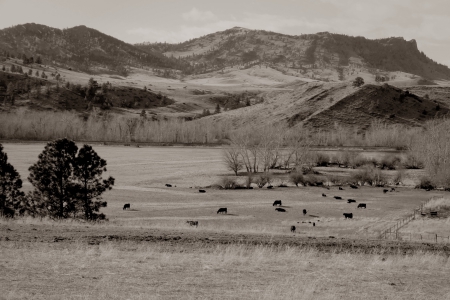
[[198, 16]]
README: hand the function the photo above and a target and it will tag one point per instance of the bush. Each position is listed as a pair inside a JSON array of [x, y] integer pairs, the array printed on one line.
[[336, 180], [263, 179], [297, 178], [412, 161], [398, 177], [369, 175], [426, 184], [228, 183], [313, 180], [390, 162], [322, 159]]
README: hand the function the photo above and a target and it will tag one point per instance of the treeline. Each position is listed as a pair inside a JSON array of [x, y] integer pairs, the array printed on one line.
[[67, 183]]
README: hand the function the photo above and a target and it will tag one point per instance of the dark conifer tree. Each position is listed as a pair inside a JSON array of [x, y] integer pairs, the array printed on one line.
[[12, 199]]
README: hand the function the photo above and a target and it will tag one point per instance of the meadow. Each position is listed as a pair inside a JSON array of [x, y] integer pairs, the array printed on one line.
[[150, 252]]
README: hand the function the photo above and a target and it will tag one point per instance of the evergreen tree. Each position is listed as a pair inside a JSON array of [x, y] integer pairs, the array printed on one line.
[[217, 110], [13, 68], [12, 199], [52, 177], [88, 170], [38, 60], [30, 72], [3, 68], [37, 73]]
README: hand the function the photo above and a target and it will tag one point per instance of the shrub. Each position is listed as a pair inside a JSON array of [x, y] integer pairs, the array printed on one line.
[[390, 162], [263, 179], [336, 180], [412, 161], [249, 180], [369, 175], [322, 159], [313, 180], [297, 178], [228, 183], [398, 177], [426, 184]]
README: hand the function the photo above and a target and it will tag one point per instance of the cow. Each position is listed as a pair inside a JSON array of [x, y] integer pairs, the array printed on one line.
[[277, 202], [353, 186], [314, 224], [323, 195], [192, 223], [280, 209], [348, 215], [351, 201], [304, 212], [341, 189], [201, 191], [270, 187], [362, 205], [126, 206], [103, 204], [337, 198], [293, 228], [385, 191], [392, 189], [222, 210], [168, 185]]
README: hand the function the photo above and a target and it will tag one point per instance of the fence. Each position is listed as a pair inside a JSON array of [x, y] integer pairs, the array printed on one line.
[[393, 234]]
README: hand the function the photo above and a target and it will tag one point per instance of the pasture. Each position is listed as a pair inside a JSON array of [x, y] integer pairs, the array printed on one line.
[[142, 174], [150, 251]]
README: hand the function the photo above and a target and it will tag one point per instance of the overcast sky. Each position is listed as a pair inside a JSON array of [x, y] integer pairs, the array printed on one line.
[[135, 21]]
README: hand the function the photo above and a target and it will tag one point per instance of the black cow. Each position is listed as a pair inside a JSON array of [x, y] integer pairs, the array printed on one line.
[[385, 191], [348, 215], [362, 205], [270, 187], [292, 228], [103, 204], [351, 201], [323, 195], [126, 206], [280, 209], [201, 191], [337, 198], [314, 224], [341, 189], [353, 186], [168, 185], [304, 212], [222, 210], [277, 202], [192, 223], [392, 189]]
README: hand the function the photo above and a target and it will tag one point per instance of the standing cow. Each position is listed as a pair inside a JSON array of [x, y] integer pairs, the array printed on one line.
[[126, 206], [362, 205], [292, 228], [304, 212], [348, 215], [222, 210]]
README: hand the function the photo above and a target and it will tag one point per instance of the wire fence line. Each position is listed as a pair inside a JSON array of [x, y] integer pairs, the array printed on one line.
[[392, 233]]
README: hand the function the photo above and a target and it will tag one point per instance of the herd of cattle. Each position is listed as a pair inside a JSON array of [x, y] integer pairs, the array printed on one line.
[[224, 210]]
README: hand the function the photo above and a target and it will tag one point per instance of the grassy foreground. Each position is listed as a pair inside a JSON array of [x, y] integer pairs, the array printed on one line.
[[128, 270]]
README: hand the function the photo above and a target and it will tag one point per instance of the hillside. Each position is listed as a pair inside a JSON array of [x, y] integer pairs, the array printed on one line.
[[80, 48], [321, 106], [324, 55]]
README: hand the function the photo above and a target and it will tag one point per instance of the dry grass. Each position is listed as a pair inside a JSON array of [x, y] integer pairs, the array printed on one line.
[[140, 271]]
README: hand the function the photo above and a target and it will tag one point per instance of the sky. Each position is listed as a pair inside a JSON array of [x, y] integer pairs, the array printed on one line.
[[137, 21]]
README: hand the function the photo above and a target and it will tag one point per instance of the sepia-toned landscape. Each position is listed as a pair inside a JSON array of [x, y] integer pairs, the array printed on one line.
[[278, 161]]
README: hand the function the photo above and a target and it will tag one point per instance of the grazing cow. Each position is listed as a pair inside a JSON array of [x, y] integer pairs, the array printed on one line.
[[353, 186], [270, 187], [292, 228], [392, 189], [337, 198], [385, 191], [192, 223], [126, 206], [222, 210], [348, 215], [201, 191], [323, 195], [341, 189], [362, 205], [280, 209], [168, 185], [304, 212], [277, 202], [351, 201]]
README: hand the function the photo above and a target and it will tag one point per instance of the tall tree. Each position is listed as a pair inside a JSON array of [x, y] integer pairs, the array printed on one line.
[[52, 177], [88, 171], [11, 196]]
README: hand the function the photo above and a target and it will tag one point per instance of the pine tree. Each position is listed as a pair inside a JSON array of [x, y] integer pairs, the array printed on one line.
[[52, 177], [3, 68], [38, 60], [37, 73], [12, 199], [217, 110], [88, 170]]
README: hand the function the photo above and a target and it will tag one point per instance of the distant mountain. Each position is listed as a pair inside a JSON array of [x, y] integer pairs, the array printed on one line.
[[80, 47], [318, 55]]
